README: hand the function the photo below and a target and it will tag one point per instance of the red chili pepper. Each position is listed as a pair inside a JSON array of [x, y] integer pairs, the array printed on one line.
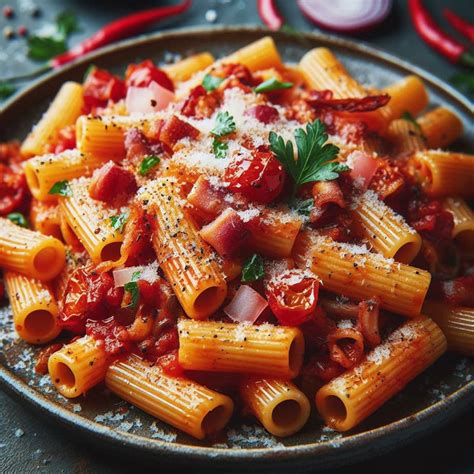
[[118, 29], [434, 36], [269, 14], [460, 25]]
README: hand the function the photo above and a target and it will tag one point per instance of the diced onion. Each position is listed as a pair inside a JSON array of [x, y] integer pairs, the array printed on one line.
[[363, 167], [246, 306], [147, 99]]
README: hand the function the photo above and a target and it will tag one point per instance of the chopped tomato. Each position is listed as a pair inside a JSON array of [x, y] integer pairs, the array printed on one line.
[[428, 218], [263, 113], [112, 336], [200, 103], [141, 75], [387, 180], [101, 86], [237, 71], [150, 293], [66, 140], [170, 364], [456, 292], [322, 367], [260, 178], [13, 189], [174, 129], [88, 295], [292, 297], [112, 181]]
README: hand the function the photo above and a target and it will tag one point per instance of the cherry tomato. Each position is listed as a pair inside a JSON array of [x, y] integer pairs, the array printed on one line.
[[13, 189], [263, 113], [260, 178], [101, 86], [141, 75], [292, 297], [88, 295]]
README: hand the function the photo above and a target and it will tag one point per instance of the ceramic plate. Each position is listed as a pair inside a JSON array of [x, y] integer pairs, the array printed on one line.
[[434, 397]]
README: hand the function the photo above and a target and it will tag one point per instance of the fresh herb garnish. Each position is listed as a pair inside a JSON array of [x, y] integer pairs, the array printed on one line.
[[224, 124], [18, 218], [6, 90], [272, 84], [44, 47], [409, 118], [315, 157], [89, 69], [119, 221], [464, 80], [302, 207], [252, 269], [148, 163], [61, 188], [132, 288], [211, 83], [219, 148]]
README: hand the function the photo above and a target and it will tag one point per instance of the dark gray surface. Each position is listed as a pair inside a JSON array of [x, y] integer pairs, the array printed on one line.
[[45, 448]]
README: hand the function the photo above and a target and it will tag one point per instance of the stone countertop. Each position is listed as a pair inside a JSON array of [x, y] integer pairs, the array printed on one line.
[[30, 444]]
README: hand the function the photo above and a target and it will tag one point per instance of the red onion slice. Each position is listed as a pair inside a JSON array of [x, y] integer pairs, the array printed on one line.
[[246, 305], [346, 16]]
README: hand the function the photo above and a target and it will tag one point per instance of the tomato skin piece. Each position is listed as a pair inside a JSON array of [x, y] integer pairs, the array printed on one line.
[[101, 86], [13, 189], [88, 295], [143, 74], [292, 303], [260, 178]]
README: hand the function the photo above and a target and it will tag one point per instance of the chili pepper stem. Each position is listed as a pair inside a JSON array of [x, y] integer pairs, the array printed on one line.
[[29, 75]]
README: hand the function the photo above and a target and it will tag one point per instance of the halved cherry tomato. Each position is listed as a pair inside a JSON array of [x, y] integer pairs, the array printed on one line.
[[260, 178], [101, 86], [13, 189], [141, 75], [292, 297], [88, 295]]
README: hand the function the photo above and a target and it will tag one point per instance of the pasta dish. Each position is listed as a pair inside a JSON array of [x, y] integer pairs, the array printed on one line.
[[236, 237]]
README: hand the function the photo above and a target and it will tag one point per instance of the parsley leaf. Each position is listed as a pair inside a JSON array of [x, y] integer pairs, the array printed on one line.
[[132, 288], [44, 47], [409, 118], [18, 218], [252, 269], [6, 90], [66, 24], [224, 124], [302, 207], [148, 163], [89, 69], [61, 188], [272, 84], [119, 221], [315, 157], [219, 148], [211, 83]]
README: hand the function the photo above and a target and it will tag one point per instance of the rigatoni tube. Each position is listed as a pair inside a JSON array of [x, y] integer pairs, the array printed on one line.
[[43, 171], [64, 110], [463, 231], [190, 264], [281, 407], [457, 324], [178, 401], [275, 351], [34, 308], [353, 396], [78, 367], [355, 272], [30, 253], [91, 222], [442, 173], [441, 127], [385, 230]]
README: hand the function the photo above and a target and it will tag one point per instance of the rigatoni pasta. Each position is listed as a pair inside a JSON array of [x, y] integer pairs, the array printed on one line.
[[239, 231]]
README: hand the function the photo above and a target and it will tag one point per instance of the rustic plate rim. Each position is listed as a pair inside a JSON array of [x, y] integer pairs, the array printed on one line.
[[352, 446]]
